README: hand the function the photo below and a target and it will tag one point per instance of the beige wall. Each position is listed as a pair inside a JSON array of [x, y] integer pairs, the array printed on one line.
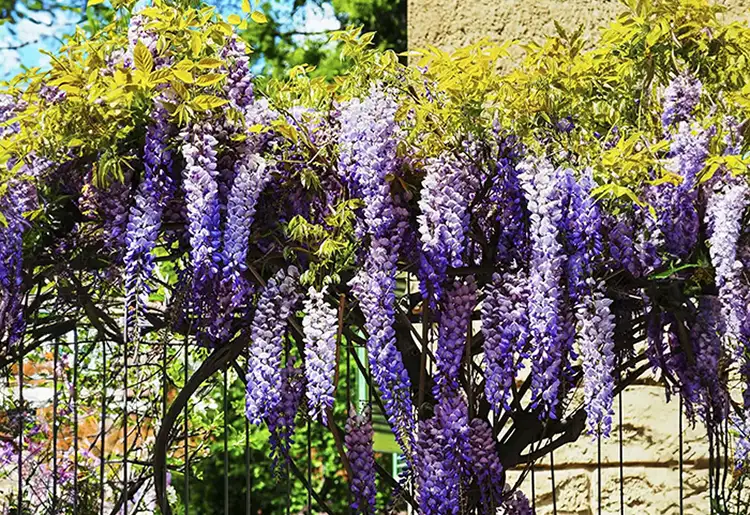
[[650, 425], [449, 24]]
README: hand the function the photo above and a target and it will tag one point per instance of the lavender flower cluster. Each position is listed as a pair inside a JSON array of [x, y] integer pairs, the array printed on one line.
[[447, 191], [319, 326], [359, 452], [264, 381], [540, 181]]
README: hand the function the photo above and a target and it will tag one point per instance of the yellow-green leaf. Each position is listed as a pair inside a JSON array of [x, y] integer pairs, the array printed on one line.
[[246, 6], [184, 75], [142, 58], [209, 79], [234, 19], [196, 43], [92, 3], [259, 17], [210, 62], [206, 102]]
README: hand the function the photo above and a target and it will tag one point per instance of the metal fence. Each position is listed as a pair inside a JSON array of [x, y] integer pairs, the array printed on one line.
[[96, 420]]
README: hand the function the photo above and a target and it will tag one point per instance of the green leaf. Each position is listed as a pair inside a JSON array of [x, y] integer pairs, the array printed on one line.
[[184, 75], [209, 79], [259, 18], [142, 58], [196, 43], [207, 102]]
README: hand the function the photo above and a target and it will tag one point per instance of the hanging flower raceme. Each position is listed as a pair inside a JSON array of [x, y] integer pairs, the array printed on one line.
[[583, 224], [438, 485], [239, 84], [485, 465], [9, 107], [455, 324], [680, 99], [281, 418], [725, 211], [319, 326], [505, 327], [516, 503], [596, 347], [375, 288], [367, 156], [510, 204], [155, 190], [447, 191], [707, 353], [359, 452], [201, 197], [250, 178], [20, 197], [541, 182], [367, 159], [264, 381]]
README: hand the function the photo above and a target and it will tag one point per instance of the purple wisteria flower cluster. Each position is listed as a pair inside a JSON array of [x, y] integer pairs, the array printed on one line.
[[264, 381], [493, 271], [145, 218], [447, 191], [319, 326], [359, 452], [455, 322], [541, 183], [505, 327], [596, 343]]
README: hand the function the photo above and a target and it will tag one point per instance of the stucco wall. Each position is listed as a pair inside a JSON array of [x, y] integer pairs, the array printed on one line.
[[650, 425], [449, 24]]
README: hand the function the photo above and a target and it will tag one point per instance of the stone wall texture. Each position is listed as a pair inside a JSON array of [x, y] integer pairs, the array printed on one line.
[[650, 446]]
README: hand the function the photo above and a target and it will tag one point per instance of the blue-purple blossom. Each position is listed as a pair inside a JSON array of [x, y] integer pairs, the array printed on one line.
[[250, 178], [677, 217], [622, 247], [680, 99], [319, 326], [505, 327], [9, 108], [516, 503], [582, 227], [596, 343], [155, 190], [741, 426], [455, 323], [485, 465], [724, 211], [688, 151], [448, 188], [508, 200], [367, 160], [52, 94], [199, 179], [239, 84], [732, 136], [699, 373], [707, 351], [112, 207], [267, 332], [359, 451], [438, 485], [541, 182], [19, 198], [281, 418], [375, 288], [367, 155]]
